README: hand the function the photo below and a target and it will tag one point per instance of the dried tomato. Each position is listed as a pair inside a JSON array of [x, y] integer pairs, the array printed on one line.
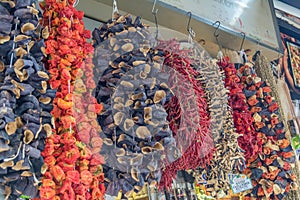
[[85, 153], [64, 104], [50, 160], [80, 197], [66, 167], [48, 183], [84, 165], [81, 189]]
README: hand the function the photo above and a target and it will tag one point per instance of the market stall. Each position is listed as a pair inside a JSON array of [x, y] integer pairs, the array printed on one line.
[[175, 101]]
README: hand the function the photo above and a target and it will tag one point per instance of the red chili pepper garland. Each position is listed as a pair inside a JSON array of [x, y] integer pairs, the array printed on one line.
[[228, 156], [243, 120], [270, 170], [71, 165], [196, 134]]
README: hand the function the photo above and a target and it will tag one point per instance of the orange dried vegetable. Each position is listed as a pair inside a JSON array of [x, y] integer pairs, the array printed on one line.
[[69, 57], [58, 173], [73, 176], [48, 183], [86, 177], [47, 193]]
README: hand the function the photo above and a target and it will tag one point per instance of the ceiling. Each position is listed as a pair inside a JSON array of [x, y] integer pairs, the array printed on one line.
[[294, 3], [101, 10]]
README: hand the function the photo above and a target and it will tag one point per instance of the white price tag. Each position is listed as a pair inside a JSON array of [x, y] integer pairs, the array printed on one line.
[[239, 183]]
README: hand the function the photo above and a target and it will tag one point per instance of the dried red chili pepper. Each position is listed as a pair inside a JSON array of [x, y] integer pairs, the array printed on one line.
[[193, 155]]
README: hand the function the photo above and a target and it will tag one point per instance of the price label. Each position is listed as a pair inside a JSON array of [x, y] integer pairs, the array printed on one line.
[[239, 183]]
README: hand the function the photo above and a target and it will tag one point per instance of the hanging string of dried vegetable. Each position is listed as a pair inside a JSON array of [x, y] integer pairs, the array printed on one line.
[[269, 170], [88, 129], [25, 100], [227, 151], [73, 166], [187, 113], [136, 135], [264, 70], [227, 154], [243, 120]]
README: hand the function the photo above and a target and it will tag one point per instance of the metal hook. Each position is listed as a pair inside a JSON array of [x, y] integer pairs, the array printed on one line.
[[153, 8], [218, 23], [257, 45], [188, 28], [244, 36], [257, 52], [154, 13], [216, 33], [190, 17], [279, 55]]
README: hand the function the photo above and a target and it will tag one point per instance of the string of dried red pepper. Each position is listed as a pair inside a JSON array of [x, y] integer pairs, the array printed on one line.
[[242, 116], [73, 164], [190, 123]]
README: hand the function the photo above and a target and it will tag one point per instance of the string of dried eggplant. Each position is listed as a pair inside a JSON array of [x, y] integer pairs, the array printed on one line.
[[135, 129], [25, 100]]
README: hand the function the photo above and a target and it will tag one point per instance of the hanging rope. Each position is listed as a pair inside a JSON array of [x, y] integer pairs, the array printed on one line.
[[115, 9]]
